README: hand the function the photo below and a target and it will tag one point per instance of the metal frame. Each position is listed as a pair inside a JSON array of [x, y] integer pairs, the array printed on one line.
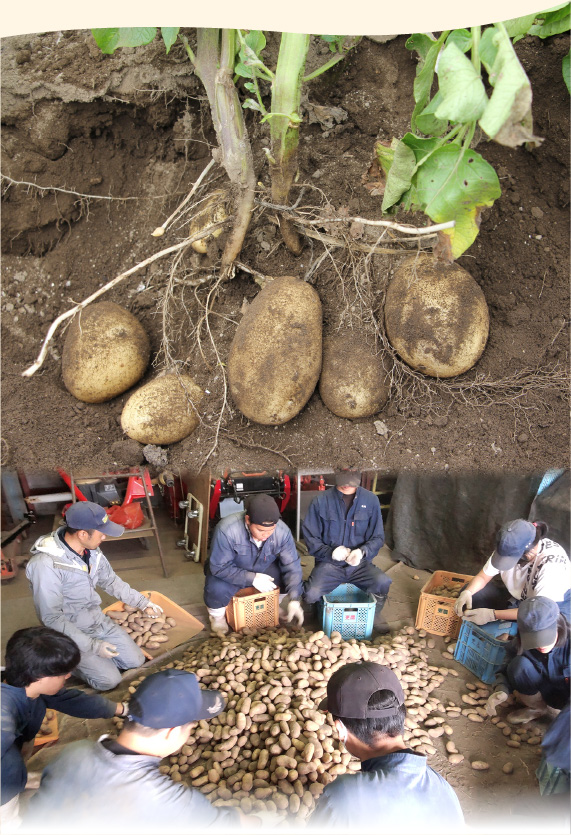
[[194, 510]]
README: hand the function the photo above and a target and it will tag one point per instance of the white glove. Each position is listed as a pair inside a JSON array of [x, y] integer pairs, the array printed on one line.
[[340, 553], [263, 582], [354, 557], [480, 616], [153, 610], [107, 650], [294, 612], [497, 697], [464, 602]]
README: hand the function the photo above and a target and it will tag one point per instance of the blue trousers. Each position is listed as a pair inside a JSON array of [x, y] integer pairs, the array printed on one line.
[[528, 678], [326, 576], [219, 592]]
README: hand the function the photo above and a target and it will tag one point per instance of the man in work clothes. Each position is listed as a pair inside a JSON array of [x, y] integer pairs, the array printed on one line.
[[343, 531], [115, 785], [65, 569], [396, 790], [252, 548]]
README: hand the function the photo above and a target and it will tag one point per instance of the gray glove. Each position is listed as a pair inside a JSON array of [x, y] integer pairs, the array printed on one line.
[[464, 602], [480, 616], [153, 610], [497, 697], [340, 553], [294, 612], [107, 650]]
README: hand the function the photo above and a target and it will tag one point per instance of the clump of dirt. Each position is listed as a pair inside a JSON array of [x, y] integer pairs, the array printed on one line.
[[132, 130]]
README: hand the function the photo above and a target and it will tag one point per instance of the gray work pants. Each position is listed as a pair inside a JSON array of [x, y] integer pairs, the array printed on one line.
[[105, 673]]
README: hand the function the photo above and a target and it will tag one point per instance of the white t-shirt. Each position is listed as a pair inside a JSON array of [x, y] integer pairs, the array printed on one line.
[[546, 575]]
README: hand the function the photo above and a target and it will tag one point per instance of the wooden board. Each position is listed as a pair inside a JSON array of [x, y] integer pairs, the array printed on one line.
[[53, 736], [186, 627]]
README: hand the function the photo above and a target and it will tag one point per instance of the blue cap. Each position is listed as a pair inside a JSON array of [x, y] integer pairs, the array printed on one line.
[[89, 516], [513, 540], [173, 698], [537, 619]]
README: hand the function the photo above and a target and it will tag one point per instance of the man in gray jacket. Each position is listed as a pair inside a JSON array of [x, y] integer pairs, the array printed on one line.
[[65, 569], [115, 785], [252, 548]]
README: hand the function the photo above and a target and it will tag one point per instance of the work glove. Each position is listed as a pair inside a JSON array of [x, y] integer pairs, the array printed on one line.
[[263, 582], [107, 650], [354, 557], [122, 709], [464, 602], [480, 616], [497, 697], [294, 612], [340, 553], [153, 610]]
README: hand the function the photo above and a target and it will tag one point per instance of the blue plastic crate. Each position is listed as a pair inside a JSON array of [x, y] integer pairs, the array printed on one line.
[[552, 780], [350, 611], [478, 649]]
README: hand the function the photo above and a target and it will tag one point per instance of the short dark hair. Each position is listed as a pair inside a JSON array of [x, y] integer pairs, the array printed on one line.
[[39, 652], [72, 531], [540, 532], [366, 730]]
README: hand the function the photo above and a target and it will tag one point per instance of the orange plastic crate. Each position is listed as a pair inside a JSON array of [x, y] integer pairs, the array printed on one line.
[[435, 613], [253, 609]]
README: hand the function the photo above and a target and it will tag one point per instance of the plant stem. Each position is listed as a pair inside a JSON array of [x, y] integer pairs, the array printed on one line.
[[475, 52], [286, 100], [214, 64]]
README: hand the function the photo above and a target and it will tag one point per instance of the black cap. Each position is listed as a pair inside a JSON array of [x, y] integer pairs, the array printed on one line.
[[350, 688], [262, 510], [512, 541], [348, 477]]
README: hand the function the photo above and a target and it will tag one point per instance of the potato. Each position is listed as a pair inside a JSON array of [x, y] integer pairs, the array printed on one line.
[[275, 356], [161, 412], [436, 317], [106, 351], [353, 382]]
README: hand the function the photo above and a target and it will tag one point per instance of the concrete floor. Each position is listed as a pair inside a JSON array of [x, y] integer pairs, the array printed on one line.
[[485, 799]]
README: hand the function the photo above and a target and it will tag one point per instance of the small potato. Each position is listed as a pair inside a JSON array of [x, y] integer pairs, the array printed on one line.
[[455, 758], [353, 382], [162, 411], [152, 645], [480, 765], [508, 768]]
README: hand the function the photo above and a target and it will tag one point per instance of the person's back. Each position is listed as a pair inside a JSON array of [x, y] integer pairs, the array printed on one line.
[[90, 788]]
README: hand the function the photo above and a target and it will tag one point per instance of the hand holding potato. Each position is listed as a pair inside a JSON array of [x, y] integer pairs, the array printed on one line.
[[494, 700], [294, 612], [354, 557], [464, 602], [263, 582], [340, 553], [153, 610]]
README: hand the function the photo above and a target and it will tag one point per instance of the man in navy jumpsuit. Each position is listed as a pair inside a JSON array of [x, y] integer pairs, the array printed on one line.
[[343, 531], [252, 548]]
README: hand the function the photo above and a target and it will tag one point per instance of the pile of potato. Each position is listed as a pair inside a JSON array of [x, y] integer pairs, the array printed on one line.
[[447, 589], [46, 728], [147, 632], [272, 749]]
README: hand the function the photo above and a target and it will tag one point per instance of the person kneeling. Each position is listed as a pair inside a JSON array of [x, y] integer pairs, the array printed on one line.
[[115, 785]]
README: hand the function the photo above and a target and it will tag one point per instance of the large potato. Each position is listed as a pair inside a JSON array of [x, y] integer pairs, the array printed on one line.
[[160, 412], [106, 351], [436, 317], [353, 382], [275, 356]]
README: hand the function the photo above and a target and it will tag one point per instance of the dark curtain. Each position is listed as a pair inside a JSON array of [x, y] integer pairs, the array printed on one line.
[[552, 507]]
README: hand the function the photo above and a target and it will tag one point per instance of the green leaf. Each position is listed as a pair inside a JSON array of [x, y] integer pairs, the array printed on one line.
[[426, 122], [565, 70], [424, 78], [456, 184], [399, 176], [256, 40], [462, 38], [507, 118], [421, 147], [517, 27], [250, 86], [108, 40], [385, 155], [421, 43], [460, 85], [552, 22], [252, 104], [335, 42], [170, 34], [488, 48]]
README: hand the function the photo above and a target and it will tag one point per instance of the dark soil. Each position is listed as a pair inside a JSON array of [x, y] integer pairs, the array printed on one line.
[[135, 125]]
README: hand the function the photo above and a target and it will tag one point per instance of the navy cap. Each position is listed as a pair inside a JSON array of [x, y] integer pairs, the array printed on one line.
[[537, 619], [350, 688], [262, 510], [512, 541], [350, 478], [173, 698], [89, 516]]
